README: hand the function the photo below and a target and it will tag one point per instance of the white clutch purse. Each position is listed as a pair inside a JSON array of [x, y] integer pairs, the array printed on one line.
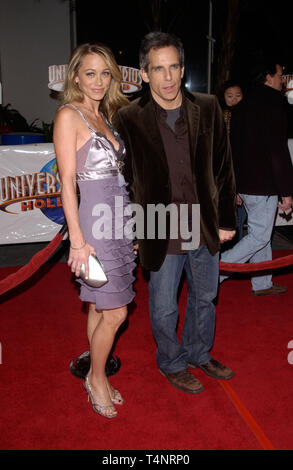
[[97, 276]]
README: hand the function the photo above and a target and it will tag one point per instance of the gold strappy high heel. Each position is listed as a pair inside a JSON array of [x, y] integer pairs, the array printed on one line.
[[117, 398], [98, 408]]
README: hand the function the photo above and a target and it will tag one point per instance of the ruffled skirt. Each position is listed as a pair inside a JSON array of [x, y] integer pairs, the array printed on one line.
[[106, 222]]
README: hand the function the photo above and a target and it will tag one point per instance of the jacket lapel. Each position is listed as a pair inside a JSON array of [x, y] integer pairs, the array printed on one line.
[[150, 126], [193, 116]]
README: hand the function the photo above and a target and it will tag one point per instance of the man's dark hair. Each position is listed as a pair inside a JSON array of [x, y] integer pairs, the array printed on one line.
[[157, 40], [259, 73]]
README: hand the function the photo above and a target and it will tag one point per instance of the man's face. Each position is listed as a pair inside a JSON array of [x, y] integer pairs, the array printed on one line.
[[164, 76], [276, 81]]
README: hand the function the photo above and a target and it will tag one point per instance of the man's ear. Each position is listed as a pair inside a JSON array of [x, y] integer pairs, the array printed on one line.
[[144, 75], [182, 72]]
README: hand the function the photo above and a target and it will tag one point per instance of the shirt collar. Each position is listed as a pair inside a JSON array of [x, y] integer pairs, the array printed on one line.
[[162, 113]]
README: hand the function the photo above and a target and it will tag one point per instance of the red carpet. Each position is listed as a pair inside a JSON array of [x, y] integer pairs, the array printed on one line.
[[42, 328]]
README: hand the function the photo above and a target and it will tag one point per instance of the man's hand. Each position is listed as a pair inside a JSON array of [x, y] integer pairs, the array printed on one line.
[[238, 200], [286, 204], [226, 235]]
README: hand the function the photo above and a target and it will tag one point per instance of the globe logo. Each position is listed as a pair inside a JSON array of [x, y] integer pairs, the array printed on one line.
[[55, 211]]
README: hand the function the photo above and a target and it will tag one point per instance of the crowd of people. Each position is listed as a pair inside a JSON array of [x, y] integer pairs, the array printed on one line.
[[263, 170], [171, 148]]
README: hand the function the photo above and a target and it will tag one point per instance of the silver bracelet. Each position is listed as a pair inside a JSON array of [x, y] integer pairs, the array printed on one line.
[[80, 248]]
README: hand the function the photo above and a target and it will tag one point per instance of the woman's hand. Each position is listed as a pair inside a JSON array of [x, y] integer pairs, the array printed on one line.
[[79, 256]]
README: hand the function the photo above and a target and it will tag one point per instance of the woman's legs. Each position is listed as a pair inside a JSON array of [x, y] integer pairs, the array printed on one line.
[[93, 319], [102, 328]]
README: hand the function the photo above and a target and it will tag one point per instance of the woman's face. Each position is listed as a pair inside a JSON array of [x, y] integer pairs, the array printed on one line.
[[93, 77], [233, 95]]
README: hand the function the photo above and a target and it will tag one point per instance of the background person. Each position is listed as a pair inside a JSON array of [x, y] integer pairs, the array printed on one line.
[[263, 170], [230, 96]]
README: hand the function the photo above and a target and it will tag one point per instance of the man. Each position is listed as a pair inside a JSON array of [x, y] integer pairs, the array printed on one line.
[[177, 153], [263, 170]]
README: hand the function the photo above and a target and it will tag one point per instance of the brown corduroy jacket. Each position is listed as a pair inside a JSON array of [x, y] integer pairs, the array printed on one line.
[[146, 168]]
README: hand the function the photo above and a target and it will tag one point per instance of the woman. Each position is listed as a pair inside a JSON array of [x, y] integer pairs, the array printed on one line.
[[231, 95], [90, 151]]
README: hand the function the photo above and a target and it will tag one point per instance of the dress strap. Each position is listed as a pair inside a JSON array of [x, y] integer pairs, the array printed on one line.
[[79, 111]]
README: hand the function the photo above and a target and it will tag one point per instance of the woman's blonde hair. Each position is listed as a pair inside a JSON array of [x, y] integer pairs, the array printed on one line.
[[114, 98]]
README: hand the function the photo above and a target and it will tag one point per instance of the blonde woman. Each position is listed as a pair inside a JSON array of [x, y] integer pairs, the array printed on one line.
[[91, 152]]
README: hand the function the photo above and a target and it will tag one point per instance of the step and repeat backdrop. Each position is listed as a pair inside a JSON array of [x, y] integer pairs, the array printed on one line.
[[30, 202]]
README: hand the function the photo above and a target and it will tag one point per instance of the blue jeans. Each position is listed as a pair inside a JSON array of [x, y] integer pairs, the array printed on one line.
[[202, 270], [256, 245]]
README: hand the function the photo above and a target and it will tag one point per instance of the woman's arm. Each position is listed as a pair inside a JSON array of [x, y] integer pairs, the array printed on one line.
[[65, 142]]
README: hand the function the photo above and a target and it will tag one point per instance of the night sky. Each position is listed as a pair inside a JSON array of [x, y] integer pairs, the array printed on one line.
[[264, 32]]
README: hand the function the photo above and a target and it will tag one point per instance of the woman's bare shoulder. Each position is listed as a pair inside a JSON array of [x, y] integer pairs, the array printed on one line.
[[67, 115], [67, 111]]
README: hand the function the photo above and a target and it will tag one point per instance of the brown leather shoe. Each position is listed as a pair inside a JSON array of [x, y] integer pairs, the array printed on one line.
[[215, 369], [184, 380], [275, 289]]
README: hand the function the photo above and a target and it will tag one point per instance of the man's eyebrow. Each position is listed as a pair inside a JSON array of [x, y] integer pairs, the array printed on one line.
[[171, 65]]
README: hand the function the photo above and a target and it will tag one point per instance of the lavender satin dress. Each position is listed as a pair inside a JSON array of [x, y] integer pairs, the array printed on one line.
[[106, 218]]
